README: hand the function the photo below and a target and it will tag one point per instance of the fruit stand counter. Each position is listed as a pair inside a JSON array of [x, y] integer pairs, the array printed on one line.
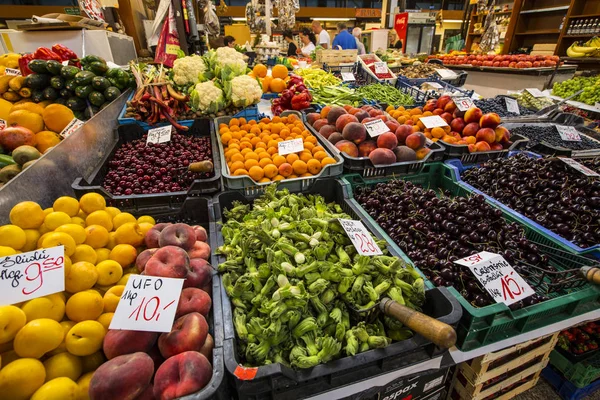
[[492, 81]]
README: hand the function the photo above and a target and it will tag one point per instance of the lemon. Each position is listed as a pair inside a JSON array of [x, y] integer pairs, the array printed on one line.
[[27, 215], [82, 276], [84, 386], [76, 231], [51, 306], [101, 218], [109, 273], [57, 389], [12, 319], [111, 298], [84, 252], [7, 251], [56, 219], [21, 378], [63, 364], [60, 239], [78, 221], [85, 338], [81, 214], [93, 361], [31, 238], [12, 236], [129, 233], [124, 254], [112, 240], [48, 210], [96, 236], [105, 319], [123, 218], [146, 218], [113, 211], [91, 202], [102, 254], [67, 205], [145, 227], [124, 279], [43, 229], [38, 337], [86, 305]]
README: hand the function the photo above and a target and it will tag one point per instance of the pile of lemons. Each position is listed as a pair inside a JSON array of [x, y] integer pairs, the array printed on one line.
[[51, 345]]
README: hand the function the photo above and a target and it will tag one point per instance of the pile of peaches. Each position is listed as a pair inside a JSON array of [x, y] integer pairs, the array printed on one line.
[[480, 132]]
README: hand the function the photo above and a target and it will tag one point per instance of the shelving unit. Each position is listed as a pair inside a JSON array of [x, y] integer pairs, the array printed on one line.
[[475, 18], [580, 9]]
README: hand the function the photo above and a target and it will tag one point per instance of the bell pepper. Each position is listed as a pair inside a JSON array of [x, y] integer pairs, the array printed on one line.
[[64, 52], [44, 53], [301, 101], [24, 64]]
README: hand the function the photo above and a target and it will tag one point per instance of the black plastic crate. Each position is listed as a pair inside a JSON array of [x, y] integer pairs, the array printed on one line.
[[461, 78], [462, 151], [156, 201], [276, 381]]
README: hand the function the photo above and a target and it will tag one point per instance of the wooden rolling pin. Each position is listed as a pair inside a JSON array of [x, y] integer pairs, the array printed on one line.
[[591, 274], [201, 166]]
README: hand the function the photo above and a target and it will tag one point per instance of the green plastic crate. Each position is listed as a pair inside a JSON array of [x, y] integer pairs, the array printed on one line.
[[579, 374], [481, 326]]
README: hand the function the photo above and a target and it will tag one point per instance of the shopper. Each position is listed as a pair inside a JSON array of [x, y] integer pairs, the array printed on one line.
[[324, 39], [308, 40], [229, 41], [344, 40], [357, 33], [395, 43], [289, 37]]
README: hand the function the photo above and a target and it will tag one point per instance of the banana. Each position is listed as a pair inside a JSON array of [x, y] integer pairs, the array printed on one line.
[[4, 83], [16, 83], [573, 53], [585, 50]]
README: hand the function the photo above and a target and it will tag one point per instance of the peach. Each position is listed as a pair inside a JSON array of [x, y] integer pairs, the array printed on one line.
[[183, 374], [366, 147], [335, 137], [473, 114], [447, 117], [199, 250], [361, 115], [489, 120], [457, 125], [486, 135], [151, 238], [403, 132], [347, 147], [450, 107], [327, 130], [142, 259], [470, 129], [200, 273], [502, 134], [286, 169], [319, 124], [312, 117], [201, 233], [387, 140], [355, 132], [382, 156], [188, 333], [472, 148], [458, 114], [375, 112], [168, 262], [438, 111], [496, 147], [353, 110], [443, 100], [344, 120], [124, 377], [393, 125], [147, 394], [430, 105], [415, 141], [207, 349], [156, 357], [482, 146], [364, 121], [334, 114], [119, 342], [193, 300], [404, 153], [180, 235]]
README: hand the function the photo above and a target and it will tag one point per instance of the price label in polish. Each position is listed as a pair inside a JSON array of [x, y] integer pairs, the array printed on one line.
[[31, 275], [381, 67], [433, 121], [71, 128], [535, 92], [512, 105], [568, 133], [159, 135], [446, 73], [579, 167], [290, 146], [376, 128], [348, 76], [361, 238], [463, 103], [498, 277], [12, 72], [148, 303]]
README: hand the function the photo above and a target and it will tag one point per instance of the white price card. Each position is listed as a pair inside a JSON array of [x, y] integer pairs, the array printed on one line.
[[71, 127], [361, 238], [376, 128], [434, 85], [568, 133], [433, 121], [148, 303], [579, 167], [475, 96], [498, 277], [597, 106], [12, 72], [65, 63], [512, 105], [348, 76], [446, 73], [30, 275], [290, 146], [535, 92], [159, 135], [381, 68], [3, 124], [463, 103]]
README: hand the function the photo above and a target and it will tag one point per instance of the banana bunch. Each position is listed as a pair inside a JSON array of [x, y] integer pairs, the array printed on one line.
[[591, 48], [9, 60], [12, 88]]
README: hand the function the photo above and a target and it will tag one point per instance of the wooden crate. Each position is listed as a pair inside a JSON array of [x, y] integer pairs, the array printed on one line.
[[457, 391], [336, 57]]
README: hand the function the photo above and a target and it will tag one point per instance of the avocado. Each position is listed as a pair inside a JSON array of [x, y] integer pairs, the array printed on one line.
[[23, 154]]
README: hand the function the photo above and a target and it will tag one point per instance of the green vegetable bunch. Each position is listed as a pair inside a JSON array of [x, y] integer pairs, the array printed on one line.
[[336, 95], [294, 279], [385, 94], [315, 78]]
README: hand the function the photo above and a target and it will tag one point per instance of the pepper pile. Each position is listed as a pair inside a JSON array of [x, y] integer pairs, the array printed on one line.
[[580, 340], [58, 53], [295, 97]]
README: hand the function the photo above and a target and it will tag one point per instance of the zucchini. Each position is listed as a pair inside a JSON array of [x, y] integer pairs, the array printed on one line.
[[84, 78], [53, 67], [38, 66], [83, 91], [69, 72], [57, 82]]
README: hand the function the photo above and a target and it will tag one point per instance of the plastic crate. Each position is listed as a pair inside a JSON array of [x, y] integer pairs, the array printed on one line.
[[446, 87], [460, 80], [276, 381], [364, 166], [417, 94], [462, 153], [538, 233], [484, 325], [580, 374], [156, 201], [369, 76], [565, 389], [250, 187]]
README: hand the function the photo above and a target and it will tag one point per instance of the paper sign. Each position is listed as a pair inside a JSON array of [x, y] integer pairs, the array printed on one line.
[[446, 73], [31, 275], [512, 105], [381, 68], [579, 167], [360, 237], [597, 106], [376, 128], [348, 76], [463, 103], [65, 63], [148, 303], [290, 146], [500, 280], [433, 121], [434, 85], [72, 127], [159, 135], [12, 72], [475, 96], [568, 133], [535, 92], [3, 124]]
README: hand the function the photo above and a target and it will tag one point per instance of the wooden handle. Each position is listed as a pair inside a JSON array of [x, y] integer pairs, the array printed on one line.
[[202, 166], [443, 335], [591, 274]]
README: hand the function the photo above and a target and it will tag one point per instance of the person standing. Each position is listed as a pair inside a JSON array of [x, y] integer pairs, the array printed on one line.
[[357, 33], [289, 37], [344, 40], [229, 41], [308, 40], [324, 39]]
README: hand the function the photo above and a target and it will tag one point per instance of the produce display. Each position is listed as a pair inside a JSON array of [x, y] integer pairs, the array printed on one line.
[[549, 135], [498, 105], [528, 101], [369, 60], [294, 278], [500, 61], [590, 86], [336, 95], [420, 71], [385, 94], [295, 97], [343, 95], [274, 83], [591, 48], [359, 79], [315, 78], [580, 340], [548, 191]]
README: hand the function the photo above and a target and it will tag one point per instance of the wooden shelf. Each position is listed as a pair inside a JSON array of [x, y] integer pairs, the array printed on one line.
[[587, 35], [584, 16], [540, 32], [475, 34], [541, 10]]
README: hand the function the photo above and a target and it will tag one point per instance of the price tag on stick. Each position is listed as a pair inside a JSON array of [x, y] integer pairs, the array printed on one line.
[[148, 303], [433, 121], [497, 276], [160, 135], [290, 146], [381, 68], [71, 128], [376, 128], [348, 76], [463, 103], [579, 167], [31, 275], [568, 133], [361, 238], [512, 105]]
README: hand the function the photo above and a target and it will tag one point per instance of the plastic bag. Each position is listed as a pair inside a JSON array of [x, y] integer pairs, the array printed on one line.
[[168, 42], [211, 21]]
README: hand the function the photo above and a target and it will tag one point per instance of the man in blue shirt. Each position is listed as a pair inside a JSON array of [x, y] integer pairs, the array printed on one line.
[[344, 39]]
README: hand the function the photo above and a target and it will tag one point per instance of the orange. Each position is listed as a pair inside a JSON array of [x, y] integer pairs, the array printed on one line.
[[290, 158], [256, 173], [278, 160], [319, 155], [327, 160], [279, 71], [299, 167], [234, 121], [314, 166], [305, 156], [236, 165], [260, 70], [270, 170], [265, 161], [277, 85], [278, 178], [249, 163], [240, 172]]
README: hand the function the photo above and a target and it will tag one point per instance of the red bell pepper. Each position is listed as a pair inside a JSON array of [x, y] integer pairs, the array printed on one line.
[[301, 101], [64, 52], [44, 53], [24, 64]]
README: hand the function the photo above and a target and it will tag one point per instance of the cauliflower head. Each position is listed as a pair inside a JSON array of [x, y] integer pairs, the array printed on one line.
[[207, 98], [229, 63], [245, 91], [187, 70]]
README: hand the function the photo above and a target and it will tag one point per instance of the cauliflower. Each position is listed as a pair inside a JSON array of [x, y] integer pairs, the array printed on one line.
[[207, 97], [244, 91], [188, 70], [228, 63]]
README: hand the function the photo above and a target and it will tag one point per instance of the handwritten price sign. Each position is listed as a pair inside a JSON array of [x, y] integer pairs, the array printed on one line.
[[290, 146], [71, 128], [348, 76], [433, 121], [12, 72], [381, 68], [568, 133], [360, 237], [3, 124], [498, 277], [148, 303], [376, 128], [31, 275], [512, 106], [463, 103], [579, 167], [159, 135]]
